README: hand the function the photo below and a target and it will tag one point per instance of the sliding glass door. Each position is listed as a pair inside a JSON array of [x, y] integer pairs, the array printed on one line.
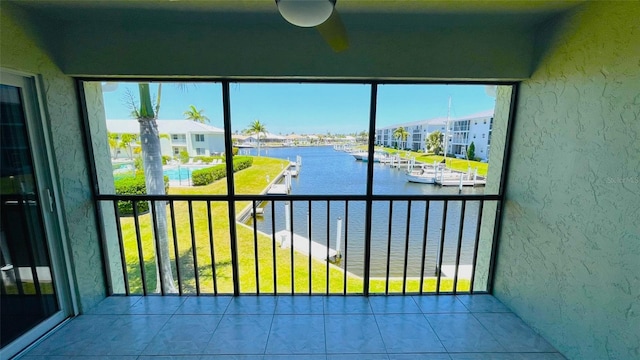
[[30, 302]]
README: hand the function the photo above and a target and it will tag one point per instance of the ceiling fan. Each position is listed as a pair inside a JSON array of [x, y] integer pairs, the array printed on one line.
[[320, 14]]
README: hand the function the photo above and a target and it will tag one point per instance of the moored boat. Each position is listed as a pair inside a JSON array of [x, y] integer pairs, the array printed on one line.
[[424, 177], [360, 155]]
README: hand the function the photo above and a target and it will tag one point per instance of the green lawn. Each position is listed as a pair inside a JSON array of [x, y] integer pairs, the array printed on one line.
[[248, 181]]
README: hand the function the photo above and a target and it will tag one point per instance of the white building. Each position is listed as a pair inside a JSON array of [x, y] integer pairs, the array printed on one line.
[[462, 132], [194, 137]]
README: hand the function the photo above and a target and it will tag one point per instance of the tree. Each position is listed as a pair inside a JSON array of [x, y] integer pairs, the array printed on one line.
[[471, 151], [434, 142], [154, 180], [258, 128], [401, 134], [195, 115], [126, 141], [363, 136], [114, 145], [184, 156]]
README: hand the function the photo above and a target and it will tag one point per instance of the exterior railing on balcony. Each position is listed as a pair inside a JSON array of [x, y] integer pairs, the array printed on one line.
[[336, 245]]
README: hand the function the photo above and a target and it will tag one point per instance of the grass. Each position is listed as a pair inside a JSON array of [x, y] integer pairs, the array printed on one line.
[[248, 181]]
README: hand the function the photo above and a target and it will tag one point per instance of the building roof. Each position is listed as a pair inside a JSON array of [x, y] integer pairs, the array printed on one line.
[[131, 126]]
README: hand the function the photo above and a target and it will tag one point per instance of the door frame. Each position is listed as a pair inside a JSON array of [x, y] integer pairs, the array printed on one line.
[[47, 184]]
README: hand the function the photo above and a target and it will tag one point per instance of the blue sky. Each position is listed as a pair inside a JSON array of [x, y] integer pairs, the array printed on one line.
[[308, 107]]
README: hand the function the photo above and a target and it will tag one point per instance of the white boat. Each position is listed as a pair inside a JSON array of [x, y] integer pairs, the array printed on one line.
[[424, 174], [422, 177], [364, 156], [360, 155]]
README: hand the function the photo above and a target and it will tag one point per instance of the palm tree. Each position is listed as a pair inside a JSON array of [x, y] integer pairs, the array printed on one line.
[[434, 142], [196, 115], [154, 180], [258, 128], [127, 140], [401, 134], [114, 145]]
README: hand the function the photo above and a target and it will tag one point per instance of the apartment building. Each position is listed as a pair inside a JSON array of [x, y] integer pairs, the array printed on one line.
[[181, 135], [462, 131]]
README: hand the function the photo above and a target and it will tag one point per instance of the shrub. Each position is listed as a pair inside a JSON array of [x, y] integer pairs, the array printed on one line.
[[242, 162], [134, 185], [208, 159], [203, 158], [208, 175], [234, 151], [165, 159], [138, 163], [471, 151], [184, 156]]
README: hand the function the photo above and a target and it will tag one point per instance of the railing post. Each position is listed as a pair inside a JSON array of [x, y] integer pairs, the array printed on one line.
[[228, 154], [369, 203]]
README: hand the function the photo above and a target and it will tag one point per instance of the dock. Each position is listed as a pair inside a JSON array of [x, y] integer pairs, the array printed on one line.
[[293, 168], [454, 178], [456, 182], [278, 189], [464, 271], [301, 245], [399, 162]]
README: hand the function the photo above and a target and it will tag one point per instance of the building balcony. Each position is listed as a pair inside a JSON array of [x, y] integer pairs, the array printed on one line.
[[323, 314]]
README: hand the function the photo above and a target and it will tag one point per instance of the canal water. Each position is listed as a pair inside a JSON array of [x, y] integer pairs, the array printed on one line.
[[325, 171]]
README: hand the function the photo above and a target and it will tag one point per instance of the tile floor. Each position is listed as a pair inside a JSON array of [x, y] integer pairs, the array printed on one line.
[[296, 327]]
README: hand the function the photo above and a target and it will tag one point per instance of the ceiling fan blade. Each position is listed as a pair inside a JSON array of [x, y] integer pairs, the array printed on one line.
[[334, 32]]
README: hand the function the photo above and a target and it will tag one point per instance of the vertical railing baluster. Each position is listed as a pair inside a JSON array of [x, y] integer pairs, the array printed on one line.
[[273, 247], [123, 259], [255, 245], [424, 244], [176, 251], [212, 249], [475, 246], [459, 246], [309, 234], [441, 248], [346, 247], [293, 283], [157, 242], [328, 243], [406, 249], [196, 272], [143, 271], [386, 285]]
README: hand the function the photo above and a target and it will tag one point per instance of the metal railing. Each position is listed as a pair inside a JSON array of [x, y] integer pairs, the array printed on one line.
[[332, 245]]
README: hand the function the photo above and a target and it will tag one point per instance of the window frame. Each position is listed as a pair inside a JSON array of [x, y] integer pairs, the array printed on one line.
[[231, 197]]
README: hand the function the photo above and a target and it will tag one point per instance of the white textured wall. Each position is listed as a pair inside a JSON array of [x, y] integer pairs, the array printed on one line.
[[19, 52], [569, 256]]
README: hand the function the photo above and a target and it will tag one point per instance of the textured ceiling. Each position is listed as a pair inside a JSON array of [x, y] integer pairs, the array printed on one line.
[[362, 13]]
